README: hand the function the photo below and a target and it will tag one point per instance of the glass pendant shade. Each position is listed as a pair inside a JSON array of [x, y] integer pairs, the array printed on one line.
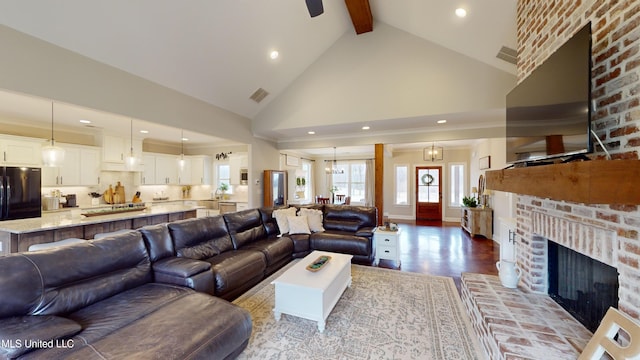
[[131, 162], [181, 157], [52, 155]]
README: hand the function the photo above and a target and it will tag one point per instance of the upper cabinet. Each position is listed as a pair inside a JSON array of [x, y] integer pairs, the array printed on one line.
[[166, 169], [81, 166], [159, 169], [115, 150], [148, 175], [184, 171], [163, 169], [236, 163], [90, 168], [20, 151], [200, 170]]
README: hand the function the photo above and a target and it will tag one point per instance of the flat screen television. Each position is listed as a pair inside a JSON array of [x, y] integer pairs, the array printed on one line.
[[549, 112]]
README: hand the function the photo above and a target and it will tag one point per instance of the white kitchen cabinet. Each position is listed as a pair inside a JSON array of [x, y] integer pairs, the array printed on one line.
[[242, 206], [148, 174], [18, 151], [81, 166], [159, 169], [200, 170], [115, 150], [166, 169], [67, 172], [206, 212], [184, 172], [237, 162], [89, 166]]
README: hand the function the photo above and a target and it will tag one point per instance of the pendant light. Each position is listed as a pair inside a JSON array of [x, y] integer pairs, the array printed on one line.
[[334, 166], [132, 161], [52, 155], [435, 153], [181, 159]]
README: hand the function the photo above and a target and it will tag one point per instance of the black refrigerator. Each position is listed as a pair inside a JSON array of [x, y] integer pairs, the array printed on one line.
[[20, 196]]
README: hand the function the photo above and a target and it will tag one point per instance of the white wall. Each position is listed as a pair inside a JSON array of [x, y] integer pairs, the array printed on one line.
[[385, 74], [502, 203], [414, 158]]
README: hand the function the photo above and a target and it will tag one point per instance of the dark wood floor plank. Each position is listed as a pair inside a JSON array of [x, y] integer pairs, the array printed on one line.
[[444, 249]]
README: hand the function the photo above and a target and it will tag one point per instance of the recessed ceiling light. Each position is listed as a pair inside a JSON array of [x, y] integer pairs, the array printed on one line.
[[85, 121], [185, 139], [460, 12], [311, 132], [441, 121], [144, 131], [366, 127], [274, 54]]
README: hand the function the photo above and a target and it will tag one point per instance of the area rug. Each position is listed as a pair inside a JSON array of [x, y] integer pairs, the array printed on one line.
[[385, 314]]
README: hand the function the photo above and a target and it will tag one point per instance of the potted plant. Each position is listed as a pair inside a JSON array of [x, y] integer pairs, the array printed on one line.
[[469, 201], [224, 187]]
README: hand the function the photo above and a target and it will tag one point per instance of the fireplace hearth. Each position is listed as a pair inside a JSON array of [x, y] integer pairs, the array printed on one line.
[[583, 286]]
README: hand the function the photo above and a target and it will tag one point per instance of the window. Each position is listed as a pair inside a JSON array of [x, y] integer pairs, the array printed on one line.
[[350, 180], [224, 176], [303, 181], [402, 184], [456, 174], [306, 168]]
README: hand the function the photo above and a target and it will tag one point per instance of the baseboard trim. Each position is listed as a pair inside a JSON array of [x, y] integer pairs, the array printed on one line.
[[413, 218]]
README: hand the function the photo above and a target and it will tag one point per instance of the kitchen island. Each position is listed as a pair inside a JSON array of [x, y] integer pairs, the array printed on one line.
[[18, 235]]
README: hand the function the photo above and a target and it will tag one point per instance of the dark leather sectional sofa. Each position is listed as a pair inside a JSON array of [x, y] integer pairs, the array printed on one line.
[[99, 300], [243, 247], [147, 293]]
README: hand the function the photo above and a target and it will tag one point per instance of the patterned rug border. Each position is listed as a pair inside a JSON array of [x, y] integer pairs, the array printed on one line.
[[449, 287]]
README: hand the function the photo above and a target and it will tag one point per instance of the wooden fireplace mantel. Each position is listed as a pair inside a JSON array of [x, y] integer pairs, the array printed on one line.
[[587, 182]]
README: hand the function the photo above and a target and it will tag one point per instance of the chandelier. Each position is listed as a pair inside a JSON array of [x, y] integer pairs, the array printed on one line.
[[334, 166], [434, 153]]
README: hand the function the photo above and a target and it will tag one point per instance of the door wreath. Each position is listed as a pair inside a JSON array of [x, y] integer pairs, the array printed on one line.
[[426, 179]]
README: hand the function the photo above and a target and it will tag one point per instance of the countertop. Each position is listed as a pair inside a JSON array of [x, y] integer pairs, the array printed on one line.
[[63, 219]]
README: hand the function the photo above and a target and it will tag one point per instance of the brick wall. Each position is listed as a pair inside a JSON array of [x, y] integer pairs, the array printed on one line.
[[606, 232]]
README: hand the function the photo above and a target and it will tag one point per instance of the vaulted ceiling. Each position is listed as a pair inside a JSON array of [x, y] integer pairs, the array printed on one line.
[[218, 51]]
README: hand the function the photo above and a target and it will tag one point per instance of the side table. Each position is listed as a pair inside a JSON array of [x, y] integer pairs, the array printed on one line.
[[387, 244]]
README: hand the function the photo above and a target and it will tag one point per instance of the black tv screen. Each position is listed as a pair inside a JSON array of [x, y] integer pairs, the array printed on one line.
[[549, 112]]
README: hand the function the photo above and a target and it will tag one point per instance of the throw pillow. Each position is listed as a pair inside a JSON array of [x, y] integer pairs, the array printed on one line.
[[281, 218], [298, 225], [314, 219], [17, 333]]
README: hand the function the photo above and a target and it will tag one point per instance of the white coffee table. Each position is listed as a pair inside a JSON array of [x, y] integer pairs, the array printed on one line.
[[312, 295]]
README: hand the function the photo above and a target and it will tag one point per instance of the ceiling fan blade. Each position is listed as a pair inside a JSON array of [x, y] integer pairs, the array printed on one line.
[[315, 7]]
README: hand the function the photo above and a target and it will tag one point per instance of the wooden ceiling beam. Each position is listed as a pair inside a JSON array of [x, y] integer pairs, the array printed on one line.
[[360, 13]]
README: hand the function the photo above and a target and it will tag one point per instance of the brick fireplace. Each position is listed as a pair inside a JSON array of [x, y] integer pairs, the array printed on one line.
[[541, 221], [606, 232], [523, 323]]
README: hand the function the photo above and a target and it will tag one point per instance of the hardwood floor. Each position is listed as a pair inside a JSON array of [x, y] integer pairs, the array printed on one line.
[[444, 249]]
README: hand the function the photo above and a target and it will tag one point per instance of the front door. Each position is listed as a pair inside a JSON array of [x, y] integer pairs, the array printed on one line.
[[429, 193]]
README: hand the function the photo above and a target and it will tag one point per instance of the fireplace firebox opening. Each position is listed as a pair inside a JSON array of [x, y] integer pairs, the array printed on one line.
[[583, 286]]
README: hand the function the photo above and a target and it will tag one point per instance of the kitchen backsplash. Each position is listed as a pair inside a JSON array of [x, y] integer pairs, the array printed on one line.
[[147, 192]]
